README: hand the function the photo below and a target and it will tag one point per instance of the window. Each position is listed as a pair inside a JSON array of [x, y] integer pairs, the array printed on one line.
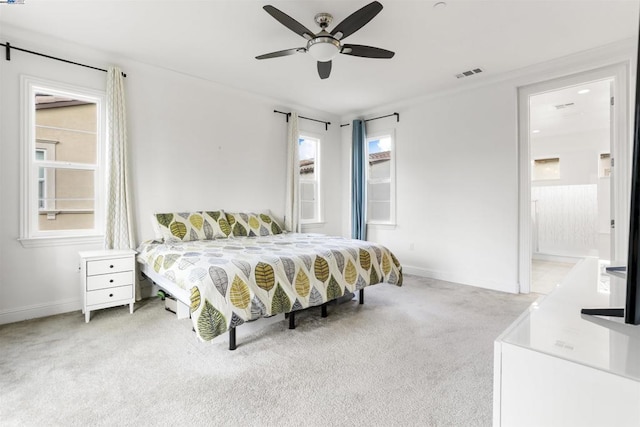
[[62, 162], [380, 175], [308, 153], [546, 169]]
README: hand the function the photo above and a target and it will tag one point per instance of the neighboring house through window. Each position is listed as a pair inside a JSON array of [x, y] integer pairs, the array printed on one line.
[[380, 174], [62, 161], [309, 149]]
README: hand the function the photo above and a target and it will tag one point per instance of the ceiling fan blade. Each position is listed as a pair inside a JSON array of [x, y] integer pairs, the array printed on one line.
[[289, 22], [324, 69], [366, 51], [356, 20], [282, 53]]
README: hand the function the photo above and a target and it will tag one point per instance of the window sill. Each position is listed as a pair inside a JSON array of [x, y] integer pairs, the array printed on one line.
[[37, 242], [52, 215]]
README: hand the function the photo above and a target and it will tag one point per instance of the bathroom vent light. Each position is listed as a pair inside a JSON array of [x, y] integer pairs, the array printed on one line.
[[469, 73]]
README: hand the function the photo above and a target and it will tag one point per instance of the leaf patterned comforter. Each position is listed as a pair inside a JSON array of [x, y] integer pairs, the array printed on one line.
[[239, 279]]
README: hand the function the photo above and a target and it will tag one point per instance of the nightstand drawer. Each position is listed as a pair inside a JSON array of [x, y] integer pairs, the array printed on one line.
[[113, 265], [102, 296], [109, 280]]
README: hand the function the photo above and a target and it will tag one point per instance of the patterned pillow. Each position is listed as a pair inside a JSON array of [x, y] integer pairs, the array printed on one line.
[[216, 225], [181, 226], [252, 224]]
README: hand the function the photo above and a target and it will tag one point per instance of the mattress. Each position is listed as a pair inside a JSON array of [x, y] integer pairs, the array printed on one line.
[[234, 280]]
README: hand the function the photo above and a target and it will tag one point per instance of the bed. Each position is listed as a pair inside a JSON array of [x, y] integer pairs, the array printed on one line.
[[226, 281]]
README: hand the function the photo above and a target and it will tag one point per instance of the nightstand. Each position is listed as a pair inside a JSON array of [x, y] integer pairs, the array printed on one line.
[[108, 278]]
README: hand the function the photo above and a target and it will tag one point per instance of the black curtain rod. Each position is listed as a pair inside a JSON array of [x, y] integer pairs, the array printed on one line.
[[376, 118], [326, 124], [8, 48]]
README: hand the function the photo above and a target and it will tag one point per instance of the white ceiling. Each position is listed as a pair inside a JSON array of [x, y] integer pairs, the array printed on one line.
[[218, 41], [570, 110]]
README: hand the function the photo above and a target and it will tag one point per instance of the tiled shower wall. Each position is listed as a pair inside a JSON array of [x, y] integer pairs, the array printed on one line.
[[565, 219]]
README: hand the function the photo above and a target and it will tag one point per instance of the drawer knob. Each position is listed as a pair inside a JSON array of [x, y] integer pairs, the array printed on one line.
[[111, 281], [111, 266], [110, 295]]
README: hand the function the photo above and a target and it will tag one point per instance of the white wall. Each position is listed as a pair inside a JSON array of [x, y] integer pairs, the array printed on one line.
[[456, 171], [579, 154], [200, 146], [194, 145]]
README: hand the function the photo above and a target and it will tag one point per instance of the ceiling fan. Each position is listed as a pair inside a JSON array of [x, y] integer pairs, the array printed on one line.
[[324, 46]]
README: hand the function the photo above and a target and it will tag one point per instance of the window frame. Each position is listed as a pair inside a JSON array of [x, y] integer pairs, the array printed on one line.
[[317, 219], [30, 235], [42, 181], [392, 176]]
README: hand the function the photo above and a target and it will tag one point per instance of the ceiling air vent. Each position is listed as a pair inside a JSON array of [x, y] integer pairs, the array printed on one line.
[[469, 73], [563, 106]]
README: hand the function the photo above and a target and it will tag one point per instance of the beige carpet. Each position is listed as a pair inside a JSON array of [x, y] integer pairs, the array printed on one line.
[[421, 354]]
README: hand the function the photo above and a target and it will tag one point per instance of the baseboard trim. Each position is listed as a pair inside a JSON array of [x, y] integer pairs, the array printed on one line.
[[557, 258], [64, 306], [461, 279], [39, 310]]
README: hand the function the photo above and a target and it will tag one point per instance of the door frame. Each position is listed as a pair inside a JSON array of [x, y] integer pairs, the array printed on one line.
[[620, 153]]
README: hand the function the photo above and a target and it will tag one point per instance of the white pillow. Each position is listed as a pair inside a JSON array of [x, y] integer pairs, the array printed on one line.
[[157, 234]]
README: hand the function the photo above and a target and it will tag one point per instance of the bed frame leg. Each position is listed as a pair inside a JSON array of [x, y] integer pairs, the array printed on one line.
[[292, 320], [183, 311], [232, 338], [361, 296], [323, 310]]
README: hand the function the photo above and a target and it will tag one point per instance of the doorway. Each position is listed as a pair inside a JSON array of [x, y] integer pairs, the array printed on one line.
[[571, 130], [570, 146]]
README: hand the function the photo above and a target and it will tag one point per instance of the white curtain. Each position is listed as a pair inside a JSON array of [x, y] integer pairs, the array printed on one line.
[[119, 229], [292, 209]]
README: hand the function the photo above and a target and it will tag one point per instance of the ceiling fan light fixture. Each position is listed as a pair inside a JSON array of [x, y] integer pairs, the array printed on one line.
[[325, 46], [323, 49]]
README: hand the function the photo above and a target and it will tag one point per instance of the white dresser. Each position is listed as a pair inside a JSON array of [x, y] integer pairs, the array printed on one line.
[[108, 278], [556, 367]]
